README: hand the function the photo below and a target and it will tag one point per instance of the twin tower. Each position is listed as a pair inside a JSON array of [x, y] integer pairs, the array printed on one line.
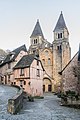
[[54, 56]]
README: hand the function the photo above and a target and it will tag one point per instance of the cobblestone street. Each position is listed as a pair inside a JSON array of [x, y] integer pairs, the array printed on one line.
[[41, 109]]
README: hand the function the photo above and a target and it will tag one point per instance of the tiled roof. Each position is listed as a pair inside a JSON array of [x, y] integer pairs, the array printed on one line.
[[14, 53], [79, 53], [37, 30], [60, 23], [25, 61]]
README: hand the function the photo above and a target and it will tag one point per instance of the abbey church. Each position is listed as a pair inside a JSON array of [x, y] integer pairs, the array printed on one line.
[[54, 56], [37, 70]]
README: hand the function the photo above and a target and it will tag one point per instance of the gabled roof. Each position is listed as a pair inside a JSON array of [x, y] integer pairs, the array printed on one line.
[[26, 61], [79, 53], [14, 53], [68, 63], [37, 30], [60, 23]]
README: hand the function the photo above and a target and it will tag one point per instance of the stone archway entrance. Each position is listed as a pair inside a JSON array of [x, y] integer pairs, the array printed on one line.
[[47, 85]]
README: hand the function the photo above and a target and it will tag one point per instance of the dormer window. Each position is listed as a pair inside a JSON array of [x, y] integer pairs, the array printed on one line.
[[59, 35]]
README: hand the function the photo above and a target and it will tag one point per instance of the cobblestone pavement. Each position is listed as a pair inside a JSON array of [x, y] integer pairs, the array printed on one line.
[[44, 109]]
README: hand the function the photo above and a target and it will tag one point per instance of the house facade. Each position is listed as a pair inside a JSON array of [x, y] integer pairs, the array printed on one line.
[[6, 67], [28, 74]]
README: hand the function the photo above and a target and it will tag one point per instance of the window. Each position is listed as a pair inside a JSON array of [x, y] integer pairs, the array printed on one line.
[[38, 72], [59, 48], [22, 71], [14, 83], [36, 41], [43, 60], [21, 83], [46, 52], [8, 77], [1, 78], [37, 62], [59, 35], [9, 65], [34, 51], [24, 82], [49, 61]]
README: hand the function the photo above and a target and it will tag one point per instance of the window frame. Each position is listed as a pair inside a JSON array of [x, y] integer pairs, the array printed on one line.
[[49, 61], [38, 72], [21, 71]]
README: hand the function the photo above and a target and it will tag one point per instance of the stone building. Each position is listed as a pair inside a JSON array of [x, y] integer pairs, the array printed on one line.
[[54, 56], [6, 67], [71, 74]]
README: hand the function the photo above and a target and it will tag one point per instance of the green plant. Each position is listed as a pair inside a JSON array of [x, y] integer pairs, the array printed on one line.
[[38, 97]]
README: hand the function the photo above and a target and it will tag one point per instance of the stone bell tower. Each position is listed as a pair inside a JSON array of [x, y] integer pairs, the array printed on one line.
[[61, 50], [37, 40]]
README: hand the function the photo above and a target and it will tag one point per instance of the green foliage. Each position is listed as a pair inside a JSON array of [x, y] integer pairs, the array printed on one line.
[[39, 97], [70, 93], [31, 98]]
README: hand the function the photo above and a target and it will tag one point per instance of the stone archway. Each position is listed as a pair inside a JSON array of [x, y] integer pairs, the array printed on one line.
[[47, 85]]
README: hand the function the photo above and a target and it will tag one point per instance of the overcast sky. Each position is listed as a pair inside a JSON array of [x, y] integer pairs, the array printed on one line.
[[18, 18]]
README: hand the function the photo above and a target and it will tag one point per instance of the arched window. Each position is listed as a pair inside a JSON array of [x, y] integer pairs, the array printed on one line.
[[59, 48], [43, 61], [46, 52], [34, 41], [59, 35], [49, 61]]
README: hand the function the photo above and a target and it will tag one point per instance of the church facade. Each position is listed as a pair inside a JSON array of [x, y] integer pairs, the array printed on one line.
[[54, 56]]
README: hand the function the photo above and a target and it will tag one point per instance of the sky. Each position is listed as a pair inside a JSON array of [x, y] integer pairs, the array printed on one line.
[[18, 18]]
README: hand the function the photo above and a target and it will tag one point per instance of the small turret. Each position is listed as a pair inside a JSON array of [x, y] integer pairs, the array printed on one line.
[[36, 39]]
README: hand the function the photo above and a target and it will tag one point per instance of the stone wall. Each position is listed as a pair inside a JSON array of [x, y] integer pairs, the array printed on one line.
[[69, 79], [16, 103], [72, 102]]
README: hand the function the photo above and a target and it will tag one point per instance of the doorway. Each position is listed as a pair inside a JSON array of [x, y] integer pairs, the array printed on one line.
[[47, 85]]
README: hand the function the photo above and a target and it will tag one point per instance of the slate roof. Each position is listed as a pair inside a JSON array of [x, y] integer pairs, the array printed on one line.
[[26, 61], [14, 53], [79, 53], [60, 23], [37, 30]]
